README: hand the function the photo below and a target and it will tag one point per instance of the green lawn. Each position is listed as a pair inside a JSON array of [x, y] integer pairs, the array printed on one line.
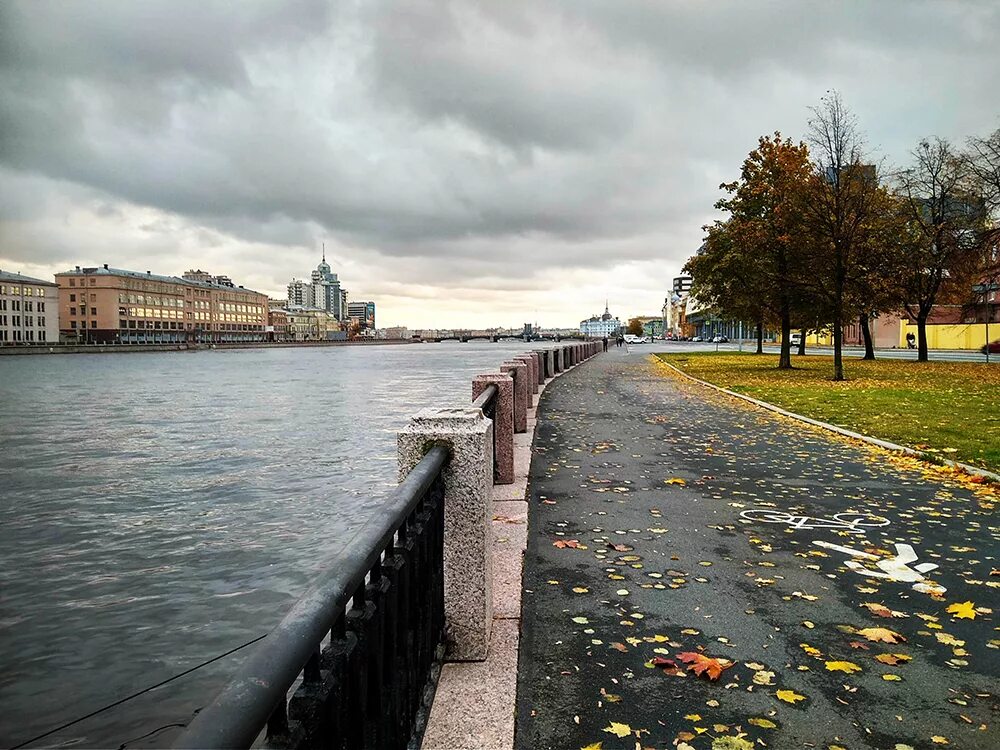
[[951, 409]]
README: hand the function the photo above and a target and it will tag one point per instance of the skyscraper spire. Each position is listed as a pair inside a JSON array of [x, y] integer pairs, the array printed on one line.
[[324, 252], [606, 306]]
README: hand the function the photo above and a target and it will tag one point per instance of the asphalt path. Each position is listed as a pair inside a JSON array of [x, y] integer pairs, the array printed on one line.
[[672, 528], [936, 355]]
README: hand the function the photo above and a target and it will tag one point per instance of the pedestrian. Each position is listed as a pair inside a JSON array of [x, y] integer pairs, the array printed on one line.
[[605, 343], [911, 341]]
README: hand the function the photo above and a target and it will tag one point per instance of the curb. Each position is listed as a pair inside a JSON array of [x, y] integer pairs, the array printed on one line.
[[833, 428]]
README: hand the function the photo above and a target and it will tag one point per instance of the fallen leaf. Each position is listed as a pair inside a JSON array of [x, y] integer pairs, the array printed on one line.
[[731, 743], [891, 677], [676, 480], [592, 746], [880, 610], [842, 666], [763, 723], [881, 635], [789, 696], [937, 739], [618, 730], [705, 665], [963, 611], [892, 659]]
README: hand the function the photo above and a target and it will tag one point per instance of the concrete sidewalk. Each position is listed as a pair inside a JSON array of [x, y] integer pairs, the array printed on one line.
[[671, 527]]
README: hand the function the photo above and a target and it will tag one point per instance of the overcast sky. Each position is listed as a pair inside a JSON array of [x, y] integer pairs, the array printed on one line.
[[487, 163]]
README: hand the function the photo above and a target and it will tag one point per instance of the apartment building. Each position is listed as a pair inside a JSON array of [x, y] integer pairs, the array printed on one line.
[[108, 305], [29, 310]]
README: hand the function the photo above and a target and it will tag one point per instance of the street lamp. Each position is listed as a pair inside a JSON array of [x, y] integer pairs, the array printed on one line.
[[985, 289]]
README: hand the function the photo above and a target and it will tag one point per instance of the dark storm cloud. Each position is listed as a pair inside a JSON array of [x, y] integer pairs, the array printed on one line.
[[441, 140]]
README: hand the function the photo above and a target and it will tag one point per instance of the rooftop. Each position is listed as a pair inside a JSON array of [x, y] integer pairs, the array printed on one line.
[[16, 277], [105, 270]]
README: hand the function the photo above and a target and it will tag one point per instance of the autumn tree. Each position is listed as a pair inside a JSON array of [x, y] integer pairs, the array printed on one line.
[[724, 279], [634, 327], [945, 230], [765, 226], [845, 213]]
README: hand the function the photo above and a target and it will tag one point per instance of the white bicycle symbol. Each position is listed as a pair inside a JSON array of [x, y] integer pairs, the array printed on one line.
[[853, 523]]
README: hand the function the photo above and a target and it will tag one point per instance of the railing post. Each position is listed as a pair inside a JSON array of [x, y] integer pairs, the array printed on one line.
[[522, 393], [557, 361], [503, 424], [544, 365], [532, 362], [468, 478]]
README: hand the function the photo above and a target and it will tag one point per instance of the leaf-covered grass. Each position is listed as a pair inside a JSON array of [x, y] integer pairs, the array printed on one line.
[[950, 409]]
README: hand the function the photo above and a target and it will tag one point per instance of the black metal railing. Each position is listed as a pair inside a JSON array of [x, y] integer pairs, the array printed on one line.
[[487, 401], [364, 641]]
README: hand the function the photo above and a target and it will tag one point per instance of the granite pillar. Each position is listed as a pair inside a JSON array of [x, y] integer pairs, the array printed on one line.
[[503, 424], [522, 393], [468, 512], [532, 363]]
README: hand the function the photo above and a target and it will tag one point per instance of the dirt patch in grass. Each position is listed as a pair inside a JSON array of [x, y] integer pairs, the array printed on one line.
[[950, 409]]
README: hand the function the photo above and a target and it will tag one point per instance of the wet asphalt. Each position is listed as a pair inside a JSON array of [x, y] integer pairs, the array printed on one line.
[[714, 508]]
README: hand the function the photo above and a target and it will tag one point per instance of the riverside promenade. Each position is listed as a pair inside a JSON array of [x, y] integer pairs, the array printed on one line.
[[830, 594]]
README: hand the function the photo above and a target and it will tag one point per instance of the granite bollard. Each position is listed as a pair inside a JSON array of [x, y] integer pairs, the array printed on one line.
[[557, 361], [545, 356], [468, 512], [522, 392], [503, 424], [532, 363]]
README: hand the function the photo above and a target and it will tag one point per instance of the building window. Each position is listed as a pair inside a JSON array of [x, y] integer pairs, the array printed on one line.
[[72, 298], [93, 311], [15, 305], [41, 321], [28, 306], [93, 323], [41, 335], [93, 282], [72, 282], [41, 307], [72, 324]]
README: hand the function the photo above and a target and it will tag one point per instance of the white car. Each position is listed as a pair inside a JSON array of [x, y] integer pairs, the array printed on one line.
[[633, 339]]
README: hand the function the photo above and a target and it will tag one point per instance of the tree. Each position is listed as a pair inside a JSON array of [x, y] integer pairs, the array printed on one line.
[[634, 327], [763, 231], [945, 229], [724, 279], [844, 211]]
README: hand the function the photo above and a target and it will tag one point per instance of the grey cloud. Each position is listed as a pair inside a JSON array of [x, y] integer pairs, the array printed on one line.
[[447, 143]]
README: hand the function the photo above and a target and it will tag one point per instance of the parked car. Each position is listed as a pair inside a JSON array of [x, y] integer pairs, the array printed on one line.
[[720, 340], [994, 347], [697, 338], [633, 339], [795, 339]]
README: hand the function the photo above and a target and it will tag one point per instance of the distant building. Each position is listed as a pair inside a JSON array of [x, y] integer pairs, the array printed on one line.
[[29, 310], [277, 324], [313, 324], [394, 333], [364, 313], [108, 305], [322, 291], [206, 277], [602, 326]]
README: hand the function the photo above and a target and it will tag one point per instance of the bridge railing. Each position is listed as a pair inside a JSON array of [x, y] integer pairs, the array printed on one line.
[[360, 650]]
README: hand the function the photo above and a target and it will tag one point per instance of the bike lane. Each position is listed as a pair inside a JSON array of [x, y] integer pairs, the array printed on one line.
[[842, 596]]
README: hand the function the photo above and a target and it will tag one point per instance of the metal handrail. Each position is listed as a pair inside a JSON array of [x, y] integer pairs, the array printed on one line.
[[260, 688], [485, 398]]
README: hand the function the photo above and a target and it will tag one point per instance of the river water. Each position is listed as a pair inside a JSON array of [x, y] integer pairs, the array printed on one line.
[[159, 509]]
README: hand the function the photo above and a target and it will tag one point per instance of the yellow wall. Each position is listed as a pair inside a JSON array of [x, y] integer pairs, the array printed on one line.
[[964, 336]]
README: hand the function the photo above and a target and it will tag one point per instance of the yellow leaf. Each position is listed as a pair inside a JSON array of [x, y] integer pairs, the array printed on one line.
[[891, 677], [618, 730], [592, 746], [808, 624], [948, 639], [693, 717], [676, 480], [580, 590], [763, 723], [963, 611], [842, 666], [811, 650], [789, 696], [881, 635], [937, 739]]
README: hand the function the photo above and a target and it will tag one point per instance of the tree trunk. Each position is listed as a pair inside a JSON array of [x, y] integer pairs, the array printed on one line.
[[922, 336], [760, 337], [838, 344], [864, 323], [802, 343], [785, 360]]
